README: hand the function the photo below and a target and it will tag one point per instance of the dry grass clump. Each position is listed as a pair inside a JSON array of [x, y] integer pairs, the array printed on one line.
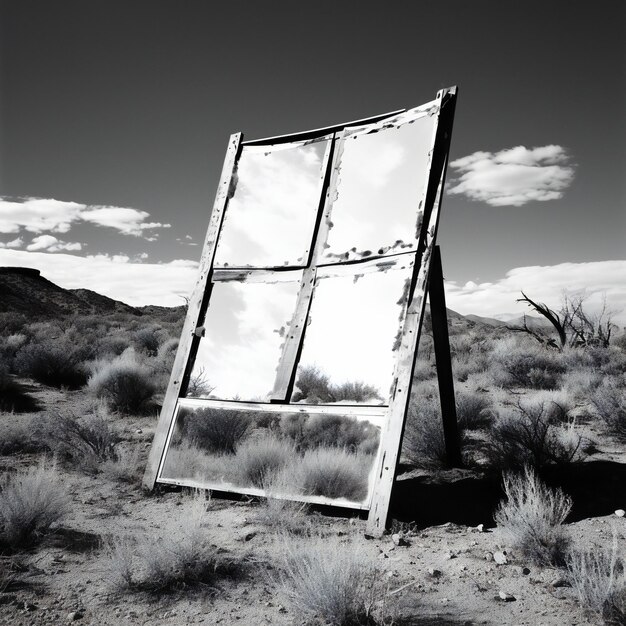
[[599, 580], [127, 466], [333, 473], [126, 385], [329, 583], [609, 402], [180, 556], [30, 502], [532, 516], [258, 459], [19, 437], [530, 435]]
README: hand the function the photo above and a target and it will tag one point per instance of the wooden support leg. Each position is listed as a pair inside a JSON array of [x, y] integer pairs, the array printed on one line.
[[442, 358]]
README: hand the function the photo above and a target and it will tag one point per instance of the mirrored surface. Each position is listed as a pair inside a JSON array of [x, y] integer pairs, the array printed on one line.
[[245, 327], [349, 345], [381, 182], [270, 219], [295, 454]]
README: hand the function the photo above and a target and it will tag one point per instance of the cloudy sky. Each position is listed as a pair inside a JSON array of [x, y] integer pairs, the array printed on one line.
[[115, 116]]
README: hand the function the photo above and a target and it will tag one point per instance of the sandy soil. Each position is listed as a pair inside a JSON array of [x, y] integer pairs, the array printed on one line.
[[446, 574]]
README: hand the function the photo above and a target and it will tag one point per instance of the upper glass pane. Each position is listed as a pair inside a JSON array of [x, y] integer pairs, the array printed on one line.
[[245, 327], [269, 221], [382, 174], [352, 336]]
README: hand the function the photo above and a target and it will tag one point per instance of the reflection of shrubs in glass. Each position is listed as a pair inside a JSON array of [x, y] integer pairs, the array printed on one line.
[[259, 458], [315, 387], [213, 430], [334, 473]]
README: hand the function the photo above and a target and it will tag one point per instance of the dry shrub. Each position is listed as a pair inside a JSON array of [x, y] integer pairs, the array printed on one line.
[[19, 437], [127, 466], [149, 339], [528, 435], [333, 473], [199, 385], [609, 402], [54, 362], [598, 578], [214, 430], [315, 386], [329, 583], [532, 516], [126, 385], [180, 556], [473, 410], [30, 502], [258, 459]]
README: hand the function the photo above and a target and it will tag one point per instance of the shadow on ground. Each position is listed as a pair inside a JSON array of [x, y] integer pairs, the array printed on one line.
[[469, 498]]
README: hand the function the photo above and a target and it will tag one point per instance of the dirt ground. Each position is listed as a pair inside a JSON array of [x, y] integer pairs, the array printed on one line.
[[445, 574]]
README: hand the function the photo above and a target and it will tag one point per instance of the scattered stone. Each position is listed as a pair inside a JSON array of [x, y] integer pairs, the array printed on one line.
[[434, 573], [505, 597], [500, 558], [399, 540], [479, 529], [249, 536], [559, 581], [620, 512], [488, 556], [450, 555], [525, 571], [74, 616]]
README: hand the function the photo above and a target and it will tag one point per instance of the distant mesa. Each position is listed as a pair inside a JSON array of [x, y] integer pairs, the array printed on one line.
[[22, 271]]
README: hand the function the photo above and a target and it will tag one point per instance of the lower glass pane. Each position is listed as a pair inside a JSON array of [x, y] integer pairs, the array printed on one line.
[[309, 455]]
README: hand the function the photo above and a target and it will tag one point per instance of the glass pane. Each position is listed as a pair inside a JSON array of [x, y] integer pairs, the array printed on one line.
[[301, 455], [381, 181], [270, 219], [352, 335], [245, 325]]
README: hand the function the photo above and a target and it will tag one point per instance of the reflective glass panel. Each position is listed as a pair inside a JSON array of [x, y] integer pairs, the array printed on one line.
[[270, 219], [244, 329], [381, 181], [352, 335], [315, 457]]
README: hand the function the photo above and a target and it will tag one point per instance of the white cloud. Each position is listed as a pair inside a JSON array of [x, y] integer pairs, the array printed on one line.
[[513, 177], [46, 215], [115, 276], [52, 244], [544, 284], [18, 242]]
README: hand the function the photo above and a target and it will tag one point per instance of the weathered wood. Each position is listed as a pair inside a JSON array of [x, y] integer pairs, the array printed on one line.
[[405, 362], [194, 310], [443, 362]]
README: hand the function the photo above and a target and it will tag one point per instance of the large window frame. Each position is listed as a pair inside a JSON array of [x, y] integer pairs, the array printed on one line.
[[392, 414]]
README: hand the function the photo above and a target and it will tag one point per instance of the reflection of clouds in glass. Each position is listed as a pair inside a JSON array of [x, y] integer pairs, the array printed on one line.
[[242, 346], [269, 221], [381, 181], [353, 327]]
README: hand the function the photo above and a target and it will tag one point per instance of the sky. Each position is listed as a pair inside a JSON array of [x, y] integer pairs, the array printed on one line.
[[115, 117]]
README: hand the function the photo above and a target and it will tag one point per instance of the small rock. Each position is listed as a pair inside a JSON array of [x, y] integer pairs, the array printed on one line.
[[434, 573], [488, 556], [249, 536], [399, 540], [506, 597], [479, 529], [500, 558], [559, 581], [139, 431], [74, 616], [620, 512], [450, 555], [525, 571]]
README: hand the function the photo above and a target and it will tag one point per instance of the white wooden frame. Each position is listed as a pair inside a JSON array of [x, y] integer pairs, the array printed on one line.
[[393, 417]]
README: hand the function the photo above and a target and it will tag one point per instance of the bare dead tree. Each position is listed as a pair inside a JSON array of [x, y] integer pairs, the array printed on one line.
[[574, 326]]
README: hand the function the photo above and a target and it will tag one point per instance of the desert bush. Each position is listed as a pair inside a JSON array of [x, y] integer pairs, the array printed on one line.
[[528, 435], [180, 556], [473, 410], [113, 345], [532, 516], [423, 444], [124, 384], [597, 576], [424, 370], [518, 365], [333, 473], [258, 459], [213, 430], [13, 397], [9, 347], [609, 402], [19, 437], [332, 583], [54, 362], [149, 339], [86, 442], [580, 383], [30, 502], [127, 465], [315, 387]]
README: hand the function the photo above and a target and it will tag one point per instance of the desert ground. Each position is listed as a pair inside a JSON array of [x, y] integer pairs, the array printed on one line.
[[81, 541]]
